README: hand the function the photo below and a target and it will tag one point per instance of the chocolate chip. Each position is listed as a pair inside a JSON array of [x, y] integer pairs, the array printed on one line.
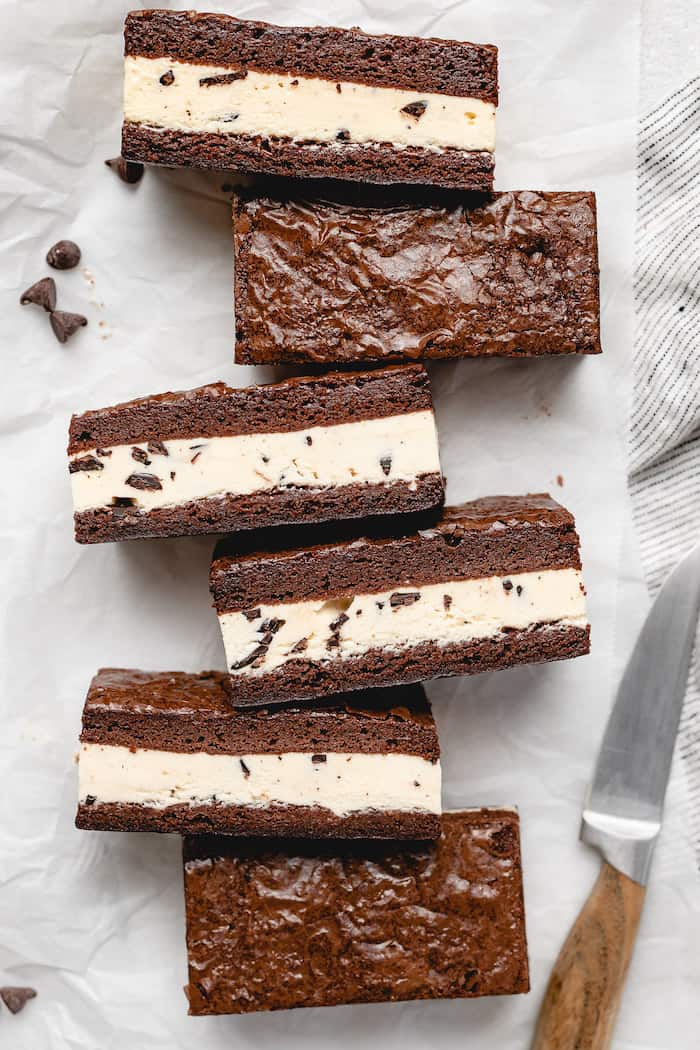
[[65, 325], [403, 598], [339, 89], [90, 800], [229, 118], [518, 590], [319, 759], [265, 459], [252, 614], [260, 650], [147, 482], [246, 771], [380, 605], [339, 621], [167, 79], [223, 78], [385, 464], [507, 585], [272, 625], [15, 999], [309, 440], [172, 475], [195, 457], [63, 255], [140, 455], [295, 83], [104, 452], [43, 293], [447, 600], [416, 783], [301, 646], [123, 501], [415, 109], [343, 135], [130, 171], [157, 448], [85, 463]]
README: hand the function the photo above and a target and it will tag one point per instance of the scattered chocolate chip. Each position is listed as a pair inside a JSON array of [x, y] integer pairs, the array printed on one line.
[[319, 759], [518, 590], [172, 475], [385, 464], [271, 625], [339, 89], [223, 78], [43, 293], [447, 600], [339, 621], [140, 455], [157, 448], [252, 614], [63, 255], [507, 585], [90, 800], [416, 783], [415, 109], [195, 457], [123, 501], [15, 999], [130, 171], [333, 642], [167, 79], [104, 452], [380, 605], [147, 482], [65, 325], [399, 598], [343, 135], [85, 463], [246, 771], [229, 118], [301, 646], [309, 440], [258, 651], [295, 83], [359, 612]]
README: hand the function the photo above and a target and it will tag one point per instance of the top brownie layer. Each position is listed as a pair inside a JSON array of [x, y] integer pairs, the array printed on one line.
[[174, 711], [218, 410], [442, 66], [376, 275], [495, 535]]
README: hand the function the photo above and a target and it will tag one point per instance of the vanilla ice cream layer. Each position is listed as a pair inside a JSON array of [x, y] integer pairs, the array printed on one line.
[[300, 107], [371, 451], [442, 613], [342, 783]]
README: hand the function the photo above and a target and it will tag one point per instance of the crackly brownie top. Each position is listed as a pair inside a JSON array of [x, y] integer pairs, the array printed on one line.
[[219, 410], [370, 921], [449, 67]]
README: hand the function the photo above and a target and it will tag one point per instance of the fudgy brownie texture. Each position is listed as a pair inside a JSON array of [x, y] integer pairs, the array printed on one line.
[[380, 163], [187, 713], [265, 821], [495, 535], [361, 274], [219, 410], [431, 65], [261, 509], [313, 924]]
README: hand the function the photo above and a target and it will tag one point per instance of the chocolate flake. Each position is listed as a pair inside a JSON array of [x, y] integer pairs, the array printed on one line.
[[333, 642], [140, 455], [246, 771], [223, 78], [252, 614], [294, 83], [90, 800], [15, 999], [258, 651], [339, 621], [507, 585], [172, 475], [167, 79], [130, 171], [385, 464], [65, 325], [518, 590], [84, 463], [301, 646], [265, 459], [42, 293], [319, 759], [399, 598], [380, 605], [343, 135], [415, 109], [123, 501], [309, 440], [157, 448], [272, 625], [195, 457], [63, 255], [447, 600], [339, 89], [146, 482]]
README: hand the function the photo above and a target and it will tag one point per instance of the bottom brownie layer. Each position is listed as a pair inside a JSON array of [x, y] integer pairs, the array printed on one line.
[[302, 679], [376, 163], [274, 820], [259, 510]]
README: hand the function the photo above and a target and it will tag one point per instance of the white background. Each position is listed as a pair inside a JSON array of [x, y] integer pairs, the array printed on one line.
[[95, 922]]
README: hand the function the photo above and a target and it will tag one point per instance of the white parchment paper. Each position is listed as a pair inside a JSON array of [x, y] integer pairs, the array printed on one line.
[[95, 922]]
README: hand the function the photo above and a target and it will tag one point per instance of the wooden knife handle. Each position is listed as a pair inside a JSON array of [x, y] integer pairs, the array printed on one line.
[[583, 995]]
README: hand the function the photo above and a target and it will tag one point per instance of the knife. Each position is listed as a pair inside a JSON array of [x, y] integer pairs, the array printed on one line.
[[622, 818]]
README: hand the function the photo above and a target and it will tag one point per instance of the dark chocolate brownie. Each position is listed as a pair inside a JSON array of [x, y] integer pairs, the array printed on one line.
[[360, 275], [313, 924]]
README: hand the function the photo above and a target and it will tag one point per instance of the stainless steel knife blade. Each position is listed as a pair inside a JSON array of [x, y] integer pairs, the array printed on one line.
[[624, 806]]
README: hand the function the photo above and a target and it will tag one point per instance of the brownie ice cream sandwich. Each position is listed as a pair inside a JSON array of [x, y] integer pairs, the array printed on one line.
[[215, 459], [291, 924], [168, 752], [496, 582], [212, 91], [356, 275]]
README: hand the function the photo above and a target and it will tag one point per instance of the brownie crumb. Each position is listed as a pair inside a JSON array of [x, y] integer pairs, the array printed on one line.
[[157, 448], [223, 78], [339, 89], [319, 759], [343, 135], [15, 999], [252, 614], [560, 481], [90, 800], [146, 482], [140, 455], [507, 585], [85, 463], [246, 771], [130, 171], [167, 79], [447, 600], [63, 255], [399, 598], [385, 464], [415, 109], [104, 452], [65, 325], [42, 293]]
